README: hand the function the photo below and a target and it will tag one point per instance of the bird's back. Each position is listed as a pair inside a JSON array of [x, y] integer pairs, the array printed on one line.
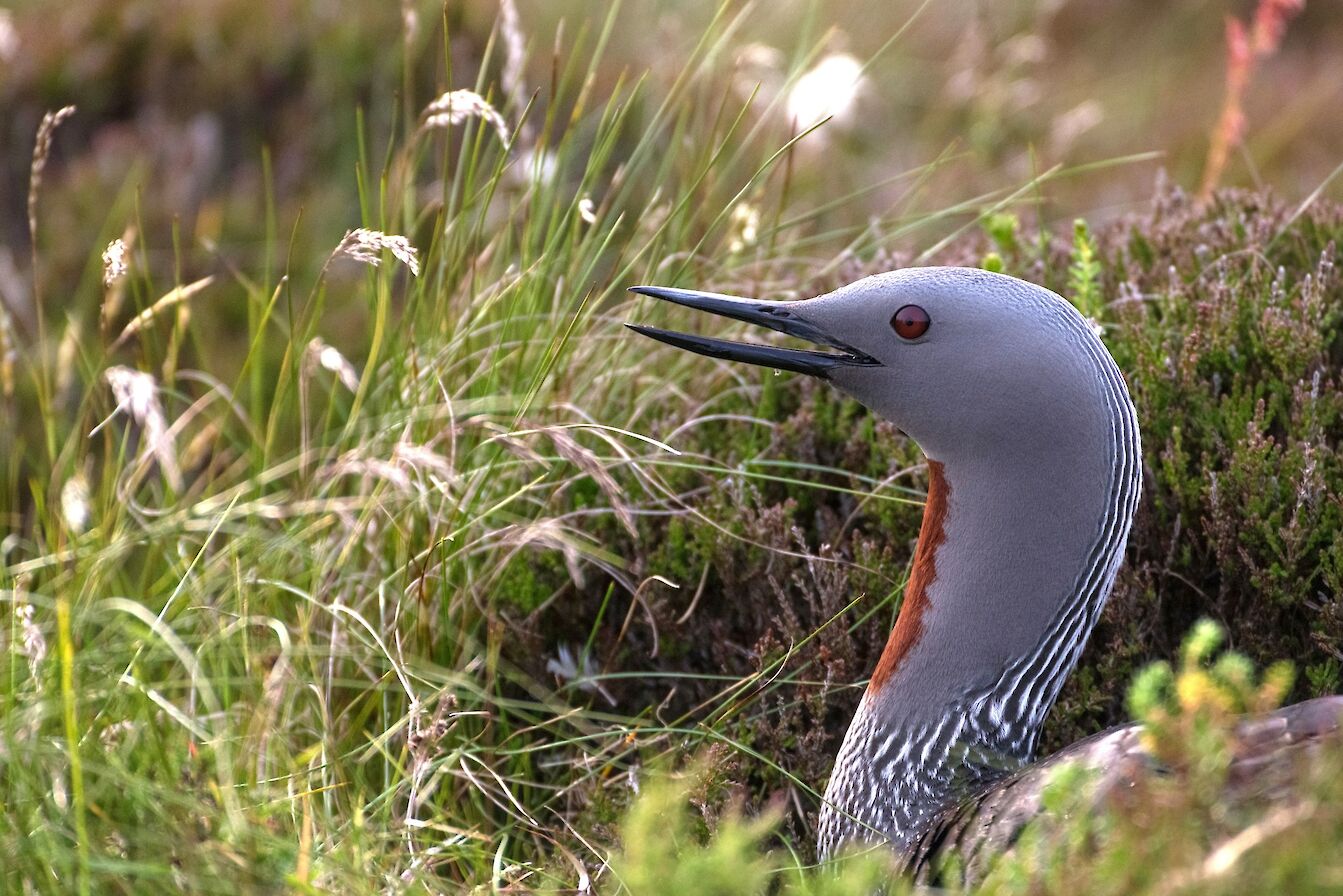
[[978, 829]]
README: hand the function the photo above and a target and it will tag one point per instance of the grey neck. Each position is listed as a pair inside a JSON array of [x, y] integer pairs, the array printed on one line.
[[1029, 543]]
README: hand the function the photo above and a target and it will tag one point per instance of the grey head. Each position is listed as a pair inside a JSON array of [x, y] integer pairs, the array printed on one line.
[[1034, 477], [1001, 361]]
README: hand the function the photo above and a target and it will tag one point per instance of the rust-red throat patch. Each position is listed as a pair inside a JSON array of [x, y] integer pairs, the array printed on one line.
[[909, 626]]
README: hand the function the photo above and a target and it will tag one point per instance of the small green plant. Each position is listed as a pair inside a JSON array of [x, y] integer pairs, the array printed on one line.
[[1084, 273], [668, 849], [1188, 714], [661, 853], [1004, 229]]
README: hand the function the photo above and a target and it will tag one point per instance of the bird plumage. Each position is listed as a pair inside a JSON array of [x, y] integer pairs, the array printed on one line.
[[987, 821]]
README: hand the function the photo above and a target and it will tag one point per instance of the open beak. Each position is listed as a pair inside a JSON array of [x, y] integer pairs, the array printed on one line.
[[773, 315]]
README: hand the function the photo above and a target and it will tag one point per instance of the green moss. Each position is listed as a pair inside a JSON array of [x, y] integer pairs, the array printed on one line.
[[529, 578]]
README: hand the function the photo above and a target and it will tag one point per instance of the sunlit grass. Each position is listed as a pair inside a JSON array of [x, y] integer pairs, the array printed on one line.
[[277, 604]]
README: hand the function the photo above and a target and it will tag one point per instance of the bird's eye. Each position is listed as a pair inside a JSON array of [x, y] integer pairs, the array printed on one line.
[[910, 322]]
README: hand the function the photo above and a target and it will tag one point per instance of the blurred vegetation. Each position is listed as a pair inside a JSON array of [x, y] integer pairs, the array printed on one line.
[[398, 583], [1172, 830]]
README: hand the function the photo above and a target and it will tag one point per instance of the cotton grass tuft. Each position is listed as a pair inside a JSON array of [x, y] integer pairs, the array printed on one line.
[[9, 37], [577, 668], [32, 643], [829, 90], [75, 507]]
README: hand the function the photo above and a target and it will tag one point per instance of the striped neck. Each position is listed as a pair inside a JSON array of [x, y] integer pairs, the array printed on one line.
[[1017, 554]]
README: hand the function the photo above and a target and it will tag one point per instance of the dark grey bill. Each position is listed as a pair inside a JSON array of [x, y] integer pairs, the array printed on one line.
[[773, 315]]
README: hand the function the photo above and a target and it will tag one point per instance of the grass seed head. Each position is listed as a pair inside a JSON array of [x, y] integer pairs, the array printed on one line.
[[1246, 46], [745, 227], [1270, 21], [46, 132], [115, 265], [458, 106], [67, 355], [114, 295], [328, 357], [410, 20], [367, 246], [137, 394]]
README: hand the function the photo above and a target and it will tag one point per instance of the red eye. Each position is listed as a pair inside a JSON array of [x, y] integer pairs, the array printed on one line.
[[910, 322]]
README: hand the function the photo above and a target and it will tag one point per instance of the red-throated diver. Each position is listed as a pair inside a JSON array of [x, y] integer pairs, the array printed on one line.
[[1034, 476]]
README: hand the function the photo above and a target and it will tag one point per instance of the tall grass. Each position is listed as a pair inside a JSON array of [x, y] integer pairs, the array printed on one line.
[[261, 589]]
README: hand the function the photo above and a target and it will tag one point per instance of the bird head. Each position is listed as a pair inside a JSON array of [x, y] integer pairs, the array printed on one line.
[[962, 360]]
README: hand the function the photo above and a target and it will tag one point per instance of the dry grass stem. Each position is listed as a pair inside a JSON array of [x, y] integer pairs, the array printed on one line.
[[367, 246], [423, 460], [8, 353], [458, 106], [171, 298], [1226, 857], [511, 28], [367, 469]]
